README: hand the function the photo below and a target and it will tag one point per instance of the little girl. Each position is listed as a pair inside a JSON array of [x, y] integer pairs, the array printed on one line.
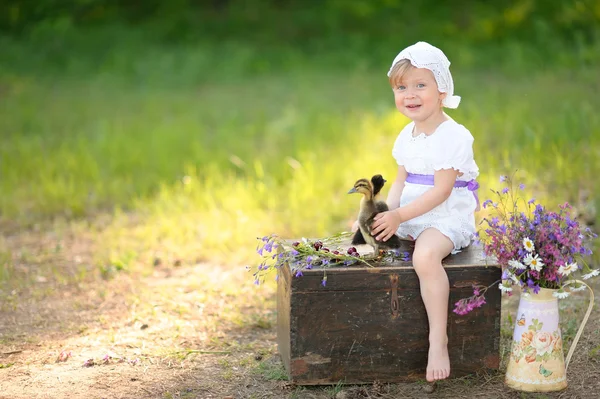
[[432, 201]]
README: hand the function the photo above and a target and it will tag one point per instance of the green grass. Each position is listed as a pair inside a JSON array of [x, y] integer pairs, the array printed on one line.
[[199, 171], [271, 371]]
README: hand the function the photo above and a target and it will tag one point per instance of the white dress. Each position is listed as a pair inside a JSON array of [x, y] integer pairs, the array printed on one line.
[[449, 147]]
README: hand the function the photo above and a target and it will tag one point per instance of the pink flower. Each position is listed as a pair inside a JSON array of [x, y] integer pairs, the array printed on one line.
[[543, 342], [527, 338]]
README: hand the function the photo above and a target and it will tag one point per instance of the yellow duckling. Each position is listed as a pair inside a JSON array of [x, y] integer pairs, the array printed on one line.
[[369, 207], [378, 182]]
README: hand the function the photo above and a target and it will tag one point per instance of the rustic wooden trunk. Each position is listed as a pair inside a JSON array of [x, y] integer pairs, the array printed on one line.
[[369, 323]]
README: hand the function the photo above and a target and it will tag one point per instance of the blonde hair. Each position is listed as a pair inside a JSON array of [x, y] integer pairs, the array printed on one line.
[[398, 71]]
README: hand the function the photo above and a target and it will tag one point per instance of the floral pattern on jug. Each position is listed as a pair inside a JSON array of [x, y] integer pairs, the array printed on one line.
[[536, 345]]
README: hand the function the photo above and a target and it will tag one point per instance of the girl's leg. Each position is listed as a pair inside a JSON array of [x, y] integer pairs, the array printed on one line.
[[430, 248]]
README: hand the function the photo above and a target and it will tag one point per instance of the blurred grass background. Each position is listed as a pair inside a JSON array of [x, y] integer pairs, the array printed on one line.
[[191, 128]]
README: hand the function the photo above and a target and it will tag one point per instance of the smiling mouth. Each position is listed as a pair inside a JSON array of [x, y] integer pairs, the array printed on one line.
[[413, 106]]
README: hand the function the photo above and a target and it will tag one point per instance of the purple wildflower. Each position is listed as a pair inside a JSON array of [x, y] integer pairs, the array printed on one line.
[[268, 246]]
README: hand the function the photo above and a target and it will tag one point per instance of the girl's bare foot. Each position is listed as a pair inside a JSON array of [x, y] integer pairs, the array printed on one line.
[[438, 362]]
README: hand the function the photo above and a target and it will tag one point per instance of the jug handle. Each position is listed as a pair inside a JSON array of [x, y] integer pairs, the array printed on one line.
[[585, 319]]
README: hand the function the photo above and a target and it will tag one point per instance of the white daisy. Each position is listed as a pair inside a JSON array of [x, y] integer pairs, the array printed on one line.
[[577, 288], [528, 244], [504, 288], [560, 294], [512, 277], [591, 274], [526, 294], [536, 263], [567, 269], [515, 264]]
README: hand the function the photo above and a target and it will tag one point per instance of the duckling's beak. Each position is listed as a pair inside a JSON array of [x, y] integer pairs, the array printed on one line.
[[353, 190]]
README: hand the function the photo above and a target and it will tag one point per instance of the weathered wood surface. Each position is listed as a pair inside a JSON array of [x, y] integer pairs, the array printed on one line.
[[369, 323]]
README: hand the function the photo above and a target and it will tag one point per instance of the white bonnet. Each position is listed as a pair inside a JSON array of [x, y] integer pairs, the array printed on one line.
[[424, 55]]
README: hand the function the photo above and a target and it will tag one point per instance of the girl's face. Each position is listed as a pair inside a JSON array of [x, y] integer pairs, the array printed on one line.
[[417, 96]]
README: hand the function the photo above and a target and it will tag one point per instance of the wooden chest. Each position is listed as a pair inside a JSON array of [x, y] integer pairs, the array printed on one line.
[[369, 323]]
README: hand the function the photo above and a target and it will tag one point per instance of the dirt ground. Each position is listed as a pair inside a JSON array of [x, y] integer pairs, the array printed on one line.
[[195, 331]]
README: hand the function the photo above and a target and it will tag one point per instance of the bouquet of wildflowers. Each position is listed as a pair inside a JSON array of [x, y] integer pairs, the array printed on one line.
[[307, 254], [535, 247]]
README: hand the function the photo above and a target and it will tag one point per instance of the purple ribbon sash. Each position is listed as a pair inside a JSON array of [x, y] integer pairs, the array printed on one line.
[[427, 180]]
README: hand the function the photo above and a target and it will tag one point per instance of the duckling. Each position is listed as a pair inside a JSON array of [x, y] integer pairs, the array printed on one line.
[[378, 181], [368, 209]]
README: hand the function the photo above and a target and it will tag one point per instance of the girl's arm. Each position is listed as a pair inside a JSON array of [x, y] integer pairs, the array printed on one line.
[[393, 198], [386, 223]]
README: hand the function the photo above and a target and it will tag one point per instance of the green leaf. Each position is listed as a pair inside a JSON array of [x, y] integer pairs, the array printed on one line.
[[535, 325]]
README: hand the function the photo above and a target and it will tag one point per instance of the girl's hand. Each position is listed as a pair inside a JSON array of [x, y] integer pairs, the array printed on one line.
[[354, 226], [386, 224]]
